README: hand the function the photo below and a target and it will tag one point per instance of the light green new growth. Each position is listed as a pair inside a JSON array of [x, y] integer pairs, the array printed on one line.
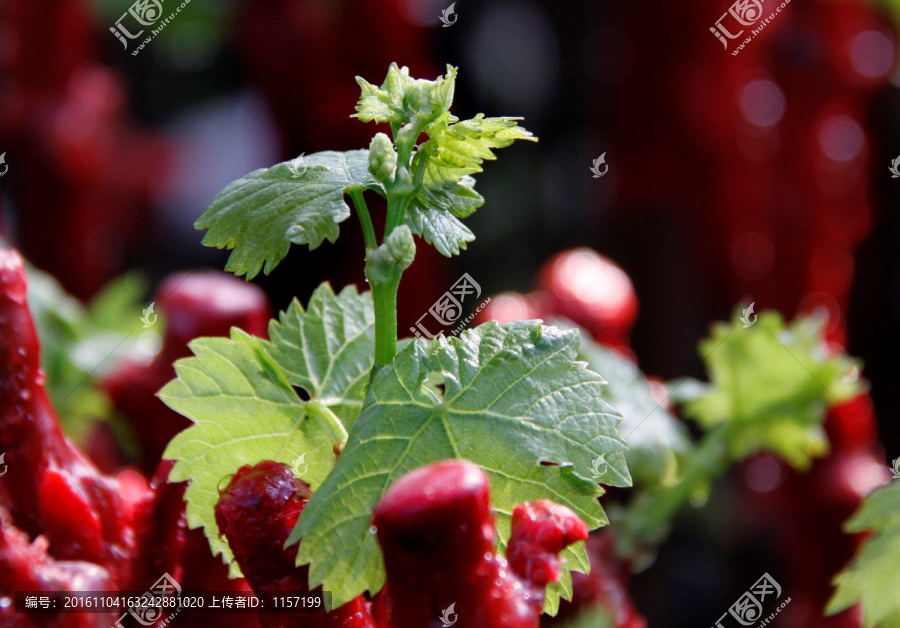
[[431, 187], [428, 188]]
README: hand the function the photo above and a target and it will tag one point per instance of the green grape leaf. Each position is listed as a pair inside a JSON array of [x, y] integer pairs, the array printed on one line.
[[773, 383], [657, 441], [873, 578], [238, 392], [512, 396], [575, 558], [329, 349], [456, 150], [439, 228], [262, 213]]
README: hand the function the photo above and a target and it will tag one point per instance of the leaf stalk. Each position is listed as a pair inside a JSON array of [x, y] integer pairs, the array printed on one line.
[[328, 419]]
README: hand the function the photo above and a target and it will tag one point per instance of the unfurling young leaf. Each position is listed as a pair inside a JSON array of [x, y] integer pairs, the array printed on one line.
[[456, 150], [401, 97], [511, 397], [443, 165], [238, 392]]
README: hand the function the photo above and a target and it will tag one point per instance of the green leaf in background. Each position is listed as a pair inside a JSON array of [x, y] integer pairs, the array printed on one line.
[[597, 617], [456, 150], [510, 397], [238, 392], [656, 439], [261, 214], [119, 306], [873, 578], [772, 384], [81, 343]]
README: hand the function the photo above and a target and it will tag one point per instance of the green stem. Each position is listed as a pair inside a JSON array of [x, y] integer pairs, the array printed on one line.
[[328, 419], [406, 144], [705, 465], [648, 518], [384, 291], [400, 193], [420, 165], [365, 218], [390, 222], [396, 213], [384, 296]]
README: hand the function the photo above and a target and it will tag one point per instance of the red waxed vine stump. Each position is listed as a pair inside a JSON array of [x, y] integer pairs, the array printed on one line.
[[436, 529], [63, 524]]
